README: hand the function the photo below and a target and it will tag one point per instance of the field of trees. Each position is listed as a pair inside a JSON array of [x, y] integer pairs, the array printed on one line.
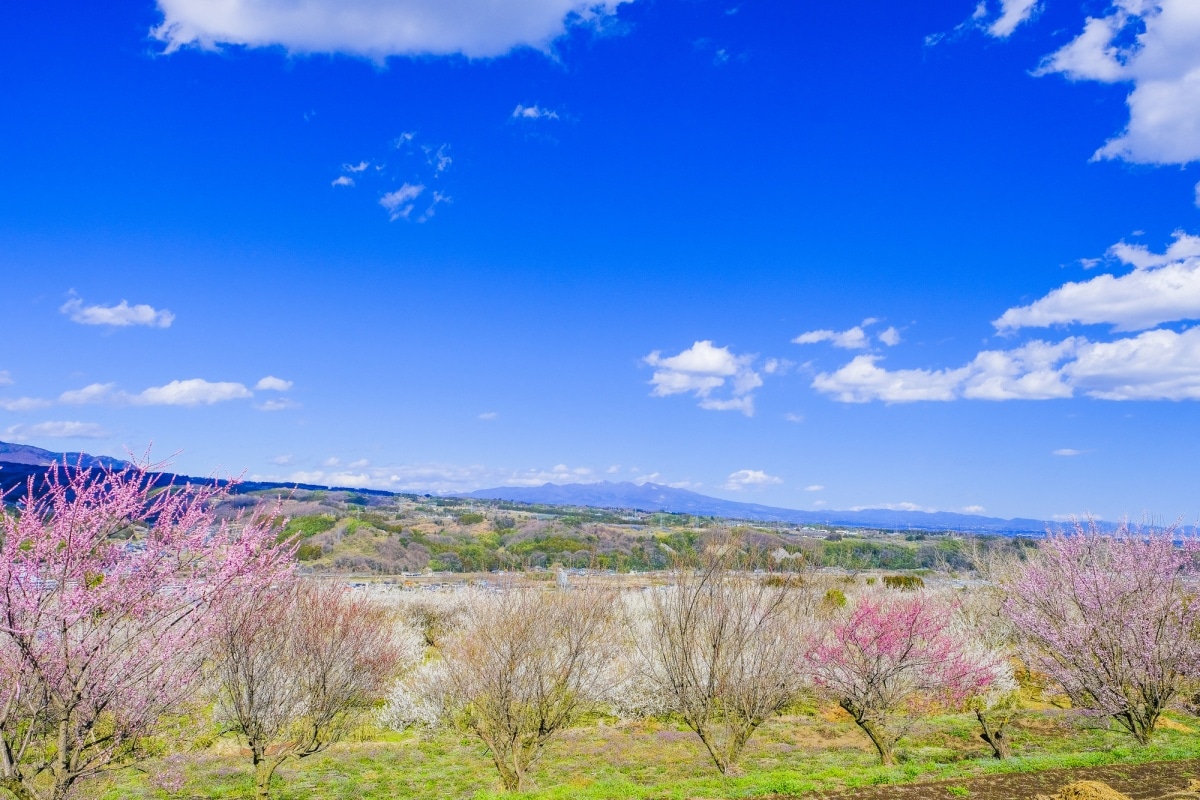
[[179, 644], [342, 533]]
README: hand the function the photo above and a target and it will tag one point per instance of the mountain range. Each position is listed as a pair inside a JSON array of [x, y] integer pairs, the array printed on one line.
[[656, 497], [18, 462]]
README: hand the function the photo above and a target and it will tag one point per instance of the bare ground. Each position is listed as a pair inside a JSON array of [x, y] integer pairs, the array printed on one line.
[[1167, 780]]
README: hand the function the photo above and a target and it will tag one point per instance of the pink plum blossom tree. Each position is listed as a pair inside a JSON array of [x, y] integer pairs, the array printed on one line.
[[1111, 619], [108, 589], [892, 652]]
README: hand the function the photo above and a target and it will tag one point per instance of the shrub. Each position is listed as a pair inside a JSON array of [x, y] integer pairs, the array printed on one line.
[[904, 582]]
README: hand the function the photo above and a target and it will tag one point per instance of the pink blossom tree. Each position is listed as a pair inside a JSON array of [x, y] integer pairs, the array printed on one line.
[[108, 589], [1110, 619], [893, 652]]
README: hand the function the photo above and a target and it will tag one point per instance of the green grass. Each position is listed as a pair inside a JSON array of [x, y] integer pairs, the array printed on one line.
[[657, 761]]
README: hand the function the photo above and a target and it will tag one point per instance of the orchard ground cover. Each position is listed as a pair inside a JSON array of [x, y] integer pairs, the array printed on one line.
[[813, 751]]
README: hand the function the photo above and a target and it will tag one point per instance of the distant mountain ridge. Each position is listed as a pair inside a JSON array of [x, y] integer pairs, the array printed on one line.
[[656, 497], [37, 457], [19, 462]]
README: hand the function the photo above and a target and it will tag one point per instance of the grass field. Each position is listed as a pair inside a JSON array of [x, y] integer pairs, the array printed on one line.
[[816, 751]]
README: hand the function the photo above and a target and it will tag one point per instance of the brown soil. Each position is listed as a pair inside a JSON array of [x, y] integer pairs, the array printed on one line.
[[1168, 780]]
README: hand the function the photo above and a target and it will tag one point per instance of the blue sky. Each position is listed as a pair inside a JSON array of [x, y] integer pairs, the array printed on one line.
[[838, 255]]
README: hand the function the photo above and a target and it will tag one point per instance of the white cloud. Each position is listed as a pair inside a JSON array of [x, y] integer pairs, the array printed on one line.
[[92, 393], [853, 339], [749, 479], [614, 469], [974, 510], [1066, 451], [359, 167], [376, 29], [777, 366], [793, 417], [283, 460], [861, 381], [359, 464], [1153, 46], [192, 392], [1012, 14], [488, 416], [1198, 195], [816, 487], [890, 337], [342, 180], [702, 369], [399, 203], [1154, 365], [1163, 287], [23, 403], [5, 378], [1029, 372], [277, 404], [533, 112], [905, 506], [121, 315], [56, 430], [273, 384]]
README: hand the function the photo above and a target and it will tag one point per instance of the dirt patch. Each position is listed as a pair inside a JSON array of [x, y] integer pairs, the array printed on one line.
[[1164, 780], [1085, 790]]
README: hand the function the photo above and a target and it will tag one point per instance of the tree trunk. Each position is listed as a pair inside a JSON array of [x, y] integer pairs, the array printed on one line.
[[879, 736], [994, 736], [509, 777], [264, 770], [1140, 725]]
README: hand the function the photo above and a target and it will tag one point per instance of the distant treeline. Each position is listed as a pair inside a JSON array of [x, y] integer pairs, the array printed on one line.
[[373, 542]]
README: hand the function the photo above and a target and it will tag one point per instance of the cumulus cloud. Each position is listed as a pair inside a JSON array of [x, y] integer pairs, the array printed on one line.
[[816, 487], [533, 112], [1028, 372], [905, 506], [791, 416], [92, 393], [1012, 14], [974, 510], [376, 29], [192, 392], [399, 203], [272, 384], [1163, 287], [23, 403], [890, 337], [1154, 365], [56, 430], [122, 315], [703, 369], [853, 339], [433, 477], [277, 404], [342, 180], [1151, 45], [749, 479]]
